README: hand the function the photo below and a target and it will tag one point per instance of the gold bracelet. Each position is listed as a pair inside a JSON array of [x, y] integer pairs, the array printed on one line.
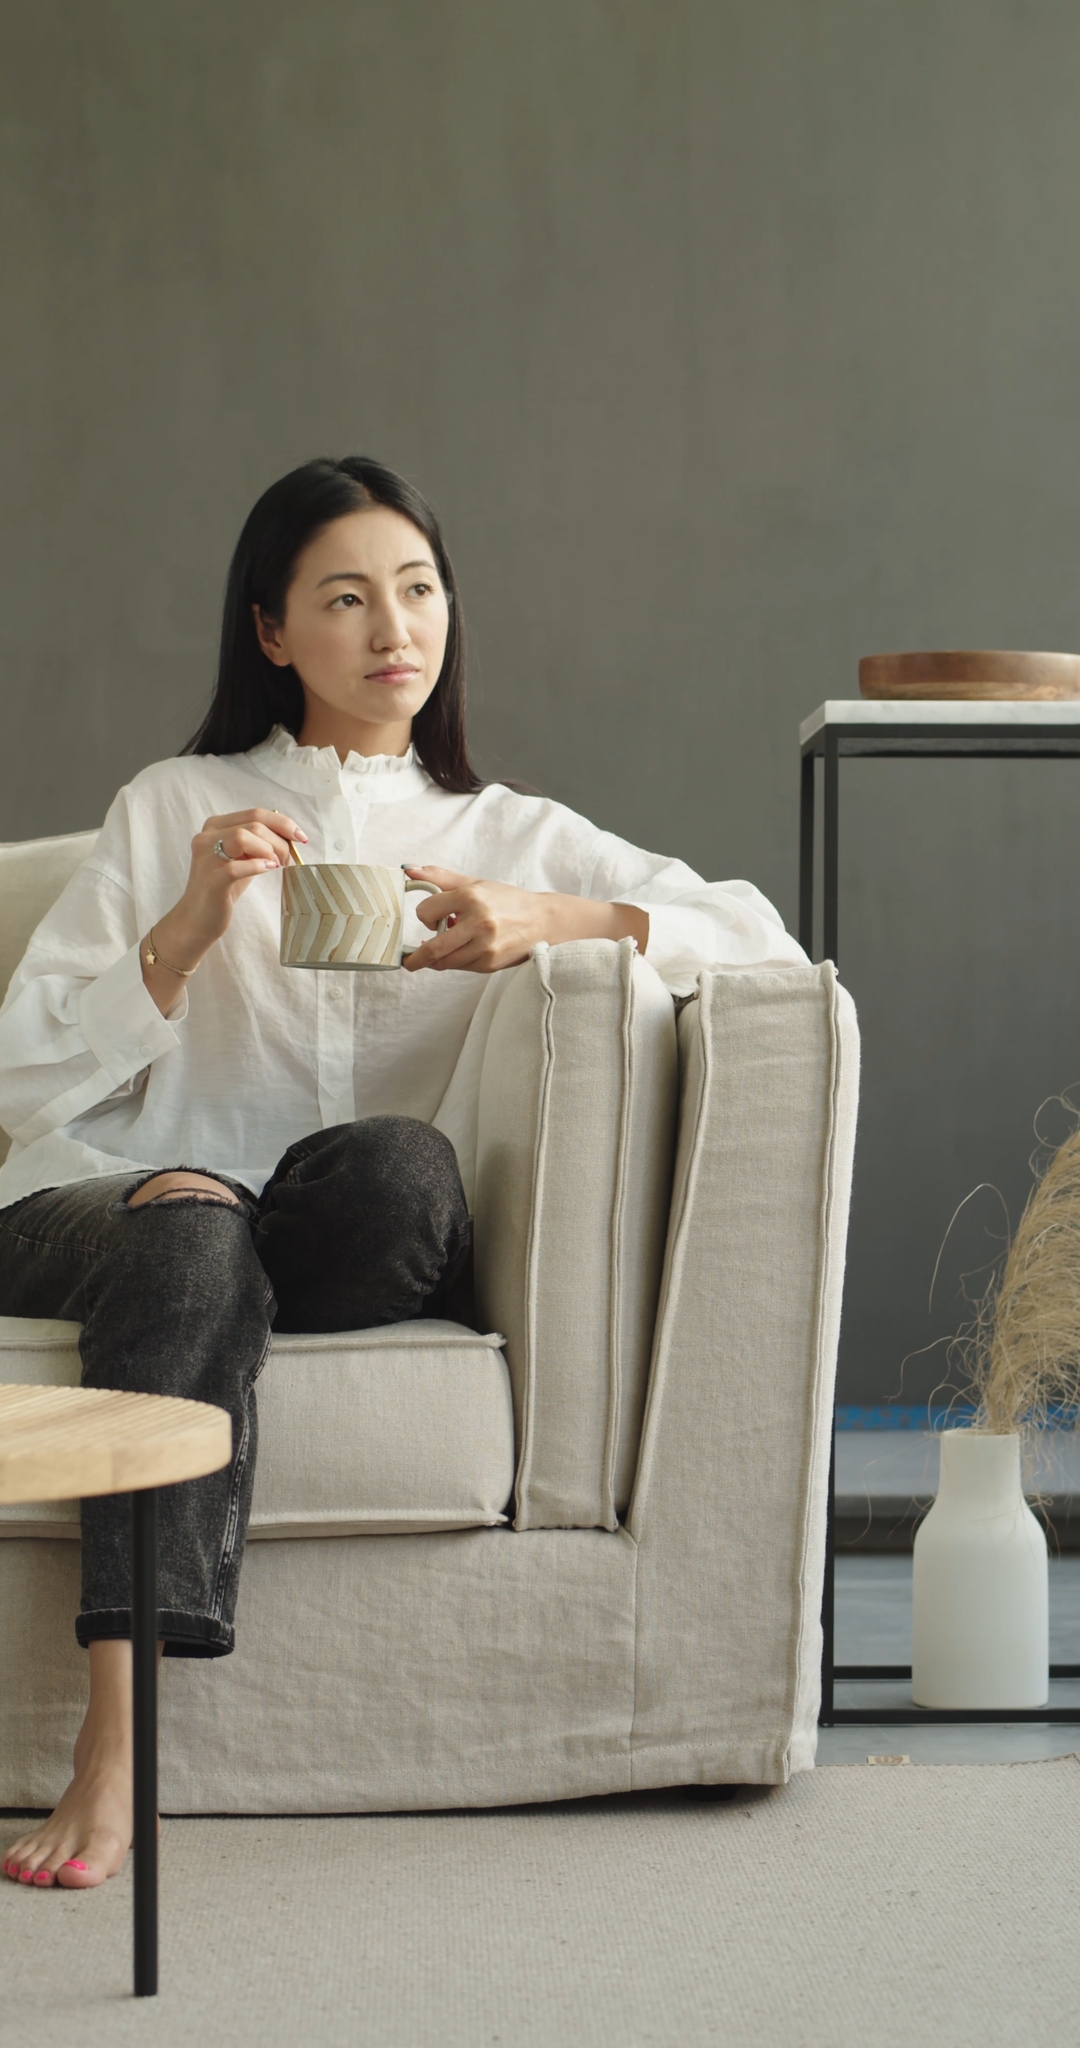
[[154, 959]]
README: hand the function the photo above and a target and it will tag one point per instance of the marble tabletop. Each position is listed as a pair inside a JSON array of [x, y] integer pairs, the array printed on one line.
[[1007, 713]]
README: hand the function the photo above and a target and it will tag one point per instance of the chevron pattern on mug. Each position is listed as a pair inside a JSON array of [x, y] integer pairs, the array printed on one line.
[[337, 915]]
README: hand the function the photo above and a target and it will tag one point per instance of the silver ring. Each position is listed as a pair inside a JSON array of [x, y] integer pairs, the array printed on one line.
[[220, 850]]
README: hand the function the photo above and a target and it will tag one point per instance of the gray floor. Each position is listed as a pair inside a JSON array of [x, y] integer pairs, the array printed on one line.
[[850, 1909], [873, 1626]]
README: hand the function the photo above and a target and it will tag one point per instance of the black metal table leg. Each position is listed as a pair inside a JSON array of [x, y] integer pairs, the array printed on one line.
[[830, 852], [830, 894], [806, 855], [828, 1597], [144, 1579]]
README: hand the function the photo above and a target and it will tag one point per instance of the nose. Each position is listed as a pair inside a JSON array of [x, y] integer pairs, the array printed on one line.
[[389, 631]]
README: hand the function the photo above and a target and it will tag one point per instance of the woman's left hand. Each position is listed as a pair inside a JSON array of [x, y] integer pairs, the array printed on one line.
[[495, 925]]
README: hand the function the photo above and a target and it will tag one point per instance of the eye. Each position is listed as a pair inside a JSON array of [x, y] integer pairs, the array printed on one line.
[[346, 601], [424, 589]]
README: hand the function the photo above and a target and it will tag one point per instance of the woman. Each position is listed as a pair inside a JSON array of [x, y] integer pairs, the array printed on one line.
[[206, 1144]]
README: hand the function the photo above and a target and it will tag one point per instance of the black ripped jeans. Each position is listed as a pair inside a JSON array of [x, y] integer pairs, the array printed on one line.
[[360, 1225]]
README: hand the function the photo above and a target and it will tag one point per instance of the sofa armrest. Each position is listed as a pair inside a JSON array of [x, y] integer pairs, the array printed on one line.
[[729, 1502], [575, 1140]]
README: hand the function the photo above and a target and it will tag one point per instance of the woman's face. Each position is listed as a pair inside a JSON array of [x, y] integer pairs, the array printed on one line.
[[366, 619]]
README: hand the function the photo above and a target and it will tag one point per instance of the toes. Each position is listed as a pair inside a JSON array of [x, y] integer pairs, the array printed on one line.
[[74, 1853], [36, 1864], [74, 1873], [50, 1869]]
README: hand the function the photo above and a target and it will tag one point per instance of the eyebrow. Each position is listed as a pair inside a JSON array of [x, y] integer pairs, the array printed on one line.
[[358, 576]]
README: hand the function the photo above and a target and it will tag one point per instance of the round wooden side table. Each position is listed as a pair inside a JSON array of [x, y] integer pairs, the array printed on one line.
[[62, 1443]]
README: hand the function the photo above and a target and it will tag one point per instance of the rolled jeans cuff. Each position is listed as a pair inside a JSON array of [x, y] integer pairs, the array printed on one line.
[[184, 1635]]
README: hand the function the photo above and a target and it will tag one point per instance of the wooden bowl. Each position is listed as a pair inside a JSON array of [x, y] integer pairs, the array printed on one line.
[[964, 673]]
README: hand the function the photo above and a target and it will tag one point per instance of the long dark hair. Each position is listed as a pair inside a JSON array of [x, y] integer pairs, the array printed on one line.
[[251, 695]]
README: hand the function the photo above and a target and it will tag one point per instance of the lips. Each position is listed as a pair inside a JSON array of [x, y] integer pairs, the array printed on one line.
[[391, 675]]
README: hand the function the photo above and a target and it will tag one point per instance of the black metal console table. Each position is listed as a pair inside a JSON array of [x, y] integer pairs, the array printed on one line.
[[907, 731]]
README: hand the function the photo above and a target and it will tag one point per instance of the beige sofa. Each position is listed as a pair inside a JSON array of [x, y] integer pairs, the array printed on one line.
[[581, 1551]]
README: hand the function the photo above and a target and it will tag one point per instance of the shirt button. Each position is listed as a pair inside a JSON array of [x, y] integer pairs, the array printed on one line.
[[145, 1051], [336, 992]]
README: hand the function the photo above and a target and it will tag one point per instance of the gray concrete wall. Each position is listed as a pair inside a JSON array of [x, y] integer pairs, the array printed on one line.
[[732, 338]]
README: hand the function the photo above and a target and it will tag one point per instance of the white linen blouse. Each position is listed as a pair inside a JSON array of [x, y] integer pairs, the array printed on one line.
[[94, 1080]]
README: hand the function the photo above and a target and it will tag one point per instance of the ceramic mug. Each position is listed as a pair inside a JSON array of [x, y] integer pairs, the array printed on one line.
[[336, 914]]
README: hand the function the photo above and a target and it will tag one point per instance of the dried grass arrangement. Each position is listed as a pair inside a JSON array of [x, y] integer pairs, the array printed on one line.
[[1021, 1355]]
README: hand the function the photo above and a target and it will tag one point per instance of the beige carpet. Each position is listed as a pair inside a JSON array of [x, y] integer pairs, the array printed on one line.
[[863, 1907]]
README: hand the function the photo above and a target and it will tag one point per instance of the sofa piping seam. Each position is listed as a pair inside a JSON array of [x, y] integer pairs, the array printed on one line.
[[607, 1499], [523, 1475]]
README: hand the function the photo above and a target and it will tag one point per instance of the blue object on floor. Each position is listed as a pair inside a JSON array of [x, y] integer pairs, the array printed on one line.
[[894, 1415], [933, 1416]]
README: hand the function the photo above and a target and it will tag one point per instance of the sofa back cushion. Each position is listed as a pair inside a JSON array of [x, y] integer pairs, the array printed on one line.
[[32, 874], [573, 1178]]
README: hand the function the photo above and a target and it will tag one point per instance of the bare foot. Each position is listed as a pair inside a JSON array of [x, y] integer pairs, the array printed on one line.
[[88, 1836]]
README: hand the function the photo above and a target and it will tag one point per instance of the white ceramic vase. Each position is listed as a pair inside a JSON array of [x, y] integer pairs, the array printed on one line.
[[980, 1627]]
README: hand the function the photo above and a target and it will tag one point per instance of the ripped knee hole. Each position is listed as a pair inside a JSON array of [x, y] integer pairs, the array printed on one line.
[[189, 1188]]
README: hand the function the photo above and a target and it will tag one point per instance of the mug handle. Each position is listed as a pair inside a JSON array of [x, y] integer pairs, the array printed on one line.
[[429, 889]]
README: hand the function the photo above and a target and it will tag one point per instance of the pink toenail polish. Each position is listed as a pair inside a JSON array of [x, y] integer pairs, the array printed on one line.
[[74, 1864], [43, 1877]]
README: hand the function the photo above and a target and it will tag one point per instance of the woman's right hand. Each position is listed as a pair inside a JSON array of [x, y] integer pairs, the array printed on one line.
[[253, 841]]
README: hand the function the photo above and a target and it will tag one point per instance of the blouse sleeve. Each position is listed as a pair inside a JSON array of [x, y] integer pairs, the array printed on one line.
[[693, 924], [78, 1024]]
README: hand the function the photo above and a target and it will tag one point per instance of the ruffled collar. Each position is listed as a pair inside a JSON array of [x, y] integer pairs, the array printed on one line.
[[378, 778]]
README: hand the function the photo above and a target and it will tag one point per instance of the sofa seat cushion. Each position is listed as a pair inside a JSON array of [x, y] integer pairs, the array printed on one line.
[[361, 1433]]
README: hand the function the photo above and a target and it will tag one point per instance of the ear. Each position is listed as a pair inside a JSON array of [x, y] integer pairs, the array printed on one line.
[[269, 637]]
